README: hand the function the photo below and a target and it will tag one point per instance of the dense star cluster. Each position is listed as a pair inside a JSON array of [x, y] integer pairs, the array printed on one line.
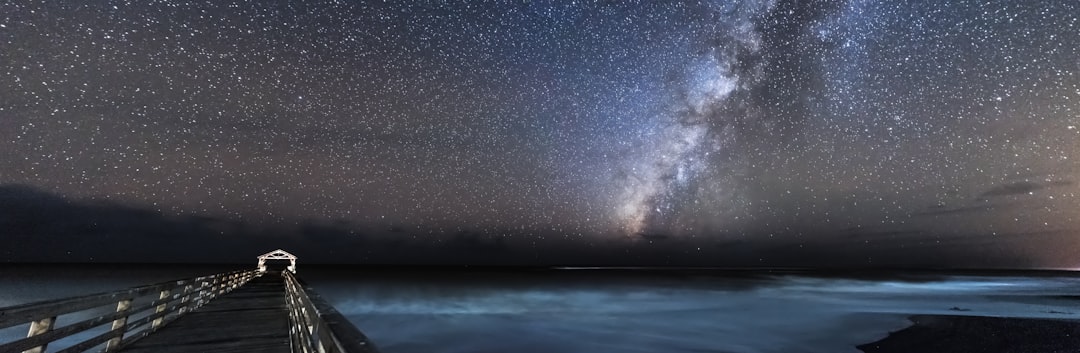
[[809, 125]]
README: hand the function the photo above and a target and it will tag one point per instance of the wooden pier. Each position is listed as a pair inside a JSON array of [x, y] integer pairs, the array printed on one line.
[[243, 311], [252, 318]]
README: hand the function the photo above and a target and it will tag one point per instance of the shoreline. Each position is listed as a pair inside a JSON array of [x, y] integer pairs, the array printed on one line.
[[961, 334]]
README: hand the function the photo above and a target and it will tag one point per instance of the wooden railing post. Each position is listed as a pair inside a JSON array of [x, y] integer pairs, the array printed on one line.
[[161, 308], [119, 323], [39, 327], [204, 286], [215, 284], [223, 287], [185, 297]]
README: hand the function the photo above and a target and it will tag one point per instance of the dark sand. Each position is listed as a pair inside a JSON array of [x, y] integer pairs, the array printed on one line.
[[949, 333]]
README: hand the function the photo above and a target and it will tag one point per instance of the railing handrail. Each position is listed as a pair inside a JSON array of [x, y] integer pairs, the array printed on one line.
[[42, 315], [23, 313], [316, 326]]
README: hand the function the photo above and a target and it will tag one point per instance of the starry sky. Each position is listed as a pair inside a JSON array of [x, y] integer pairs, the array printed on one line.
[[758, 132]]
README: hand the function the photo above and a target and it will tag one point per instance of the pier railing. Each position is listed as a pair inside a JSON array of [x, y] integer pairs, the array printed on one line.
[[147, 307], [316, 326]]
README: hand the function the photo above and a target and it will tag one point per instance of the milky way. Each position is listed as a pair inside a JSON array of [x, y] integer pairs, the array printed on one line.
[[798, 124]]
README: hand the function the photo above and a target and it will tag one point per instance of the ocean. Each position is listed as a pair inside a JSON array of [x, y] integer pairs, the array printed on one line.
[[591, 310]]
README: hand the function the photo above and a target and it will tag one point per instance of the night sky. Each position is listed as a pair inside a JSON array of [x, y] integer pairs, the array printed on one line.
[[727, 133]]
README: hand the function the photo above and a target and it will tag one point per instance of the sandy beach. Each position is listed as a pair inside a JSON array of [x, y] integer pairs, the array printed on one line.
[[962, 334]]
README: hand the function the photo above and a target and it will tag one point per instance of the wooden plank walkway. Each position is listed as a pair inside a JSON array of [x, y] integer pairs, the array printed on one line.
[[252, 318]]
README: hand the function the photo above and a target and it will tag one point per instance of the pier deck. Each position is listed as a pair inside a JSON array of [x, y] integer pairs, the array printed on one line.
[[252, 318]]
